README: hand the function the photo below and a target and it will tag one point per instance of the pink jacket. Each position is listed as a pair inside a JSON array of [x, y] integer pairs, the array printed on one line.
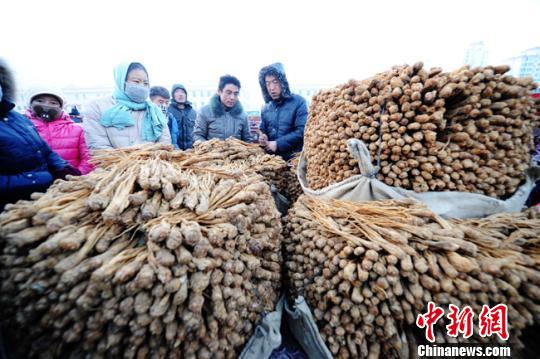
[[65, 138]]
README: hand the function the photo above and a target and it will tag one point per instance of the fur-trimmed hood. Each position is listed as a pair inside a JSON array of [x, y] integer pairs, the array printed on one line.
[[278, 71], [218, 109], [7, 82]]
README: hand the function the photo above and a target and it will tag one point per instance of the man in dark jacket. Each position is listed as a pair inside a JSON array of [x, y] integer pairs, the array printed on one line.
[[27, 163], [184, 114], [284, 115], [224, 116]]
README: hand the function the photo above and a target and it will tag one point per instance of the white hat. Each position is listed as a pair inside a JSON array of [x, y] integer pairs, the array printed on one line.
[[46, 91]]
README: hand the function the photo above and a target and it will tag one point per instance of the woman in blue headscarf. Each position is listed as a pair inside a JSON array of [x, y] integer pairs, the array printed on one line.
[[128, 117]]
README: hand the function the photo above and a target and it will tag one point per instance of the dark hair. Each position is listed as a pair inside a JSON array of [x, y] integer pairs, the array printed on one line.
[[159, 91], [136, 66], [7, 81], [227, 79]]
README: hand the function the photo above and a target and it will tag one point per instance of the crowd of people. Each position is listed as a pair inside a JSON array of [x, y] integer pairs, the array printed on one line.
[[45, 142]]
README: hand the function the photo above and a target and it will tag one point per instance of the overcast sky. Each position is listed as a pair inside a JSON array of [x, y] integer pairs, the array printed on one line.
[[77, 43]]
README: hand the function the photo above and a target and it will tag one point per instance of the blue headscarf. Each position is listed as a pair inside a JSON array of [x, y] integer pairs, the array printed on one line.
[[119, 116]]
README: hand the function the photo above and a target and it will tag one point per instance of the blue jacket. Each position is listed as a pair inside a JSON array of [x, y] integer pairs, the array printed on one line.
[[283, 120], [173, 128], [185, 119], [26, 161]]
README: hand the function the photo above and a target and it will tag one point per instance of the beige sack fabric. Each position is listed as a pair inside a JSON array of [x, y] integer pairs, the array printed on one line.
[[365, 187]]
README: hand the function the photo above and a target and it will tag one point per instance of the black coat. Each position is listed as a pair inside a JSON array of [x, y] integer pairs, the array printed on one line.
[[185, 118]]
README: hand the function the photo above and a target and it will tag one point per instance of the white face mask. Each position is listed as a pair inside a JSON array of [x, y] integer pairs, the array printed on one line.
[[136, 93]]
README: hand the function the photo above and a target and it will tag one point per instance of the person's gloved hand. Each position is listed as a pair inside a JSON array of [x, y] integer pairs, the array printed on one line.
[[263, 139], [271, 146], [68, 170]]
